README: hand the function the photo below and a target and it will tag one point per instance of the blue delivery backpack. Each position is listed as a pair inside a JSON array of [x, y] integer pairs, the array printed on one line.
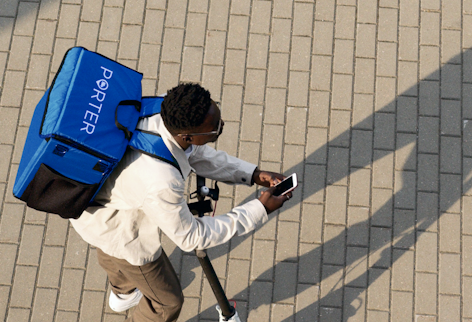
[[80, 130]]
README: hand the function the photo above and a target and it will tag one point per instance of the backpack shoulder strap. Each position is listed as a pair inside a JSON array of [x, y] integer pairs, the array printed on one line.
[[151, 144], [150, 105]]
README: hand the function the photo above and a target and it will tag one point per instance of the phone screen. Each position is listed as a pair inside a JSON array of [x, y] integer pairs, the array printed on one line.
[[283, 186]]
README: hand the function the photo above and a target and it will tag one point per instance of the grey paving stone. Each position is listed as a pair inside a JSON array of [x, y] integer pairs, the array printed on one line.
[[309, 264], [338, 159], [409, 12], [367, 11], [318, 108], [4, 298], [379, 279], [428, 134], [9, 254], [260, 17], [275, 105], [356, 264], [359, 187], [408, 44], [172, 45], [321, 73], [28, 12], [403, 270], [449, 192], [12, 90], [134, 11], [303, 19], [195, 33], [450, 150], [110, 27], [314, 183], [280, 39], [255, 86], [450, 81], [68, 21], [384, 131], [92, 305], [71, 289], [403, 302], [240, 7], [216, 11], [23, 286], [323, 35], [191, 64], [234, 71], [405, 154], [427, 209], [449, 308], [262, 260], [385, 98], [212, 78], [11, 222], [88, 34], [238, 32], [19, 53], [362, 114], [30, 246], [333, 248], [428, 172], [260, 295], [44, 305], [258, 51], [331, 292], [429, 28], [153, 26], [343, 56], [365, 76], [283, 9], [238, 277], [450, 273], [38, 72], [407, 78], [307, 302], [386, 59], [345, 22], [6, 24], [358, 226], [18, 315], [407, 110], [342, 92], [449, 233], [380, 247], [300, 53], [388, 24]]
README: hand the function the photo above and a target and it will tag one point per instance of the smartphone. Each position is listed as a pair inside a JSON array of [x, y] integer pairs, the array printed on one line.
[[285, 186]]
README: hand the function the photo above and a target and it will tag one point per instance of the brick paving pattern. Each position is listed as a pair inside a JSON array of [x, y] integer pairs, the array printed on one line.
[[369, 101]]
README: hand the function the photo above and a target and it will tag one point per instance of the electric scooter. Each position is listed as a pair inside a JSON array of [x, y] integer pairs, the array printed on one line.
[[226, 311]]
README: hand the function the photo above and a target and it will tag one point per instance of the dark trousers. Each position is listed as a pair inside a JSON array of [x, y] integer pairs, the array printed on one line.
[[162, 295]]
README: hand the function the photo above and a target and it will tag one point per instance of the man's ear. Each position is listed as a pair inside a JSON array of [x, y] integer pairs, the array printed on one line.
[[187, 138]]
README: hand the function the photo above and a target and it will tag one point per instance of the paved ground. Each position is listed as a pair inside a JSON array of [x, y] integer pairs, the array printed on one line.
[[368, 101]]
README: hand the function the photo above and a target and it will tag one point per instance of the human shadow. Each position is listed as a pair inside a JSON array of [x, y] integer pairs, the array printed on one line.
[[425, 146]]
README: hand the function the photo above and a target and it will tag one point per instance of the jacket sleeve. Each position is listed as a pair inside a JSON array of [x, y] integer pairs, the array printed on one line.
[[220, 166], [169, 210]]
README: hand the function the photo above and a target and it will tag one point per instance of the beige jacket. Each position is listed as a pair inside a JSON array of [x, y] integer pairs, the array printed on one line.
[[144, 196]]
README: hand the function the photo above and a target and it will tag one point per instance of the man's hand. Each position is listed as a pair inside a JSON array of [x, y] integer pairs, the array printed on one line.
[[271, 202], [267, 178]]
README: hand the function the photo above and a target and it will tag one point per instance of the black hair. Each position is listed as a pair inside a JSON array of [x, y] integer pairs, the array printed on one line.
[[185, 107]]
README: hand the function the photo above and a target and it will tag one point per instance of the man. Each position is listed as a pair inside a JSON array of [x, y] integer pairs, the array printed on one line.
[[145, 195]]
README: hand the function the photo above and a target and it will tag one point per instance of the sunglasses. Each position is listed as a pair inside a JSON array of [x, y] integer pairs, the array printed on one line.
[[206, 133]]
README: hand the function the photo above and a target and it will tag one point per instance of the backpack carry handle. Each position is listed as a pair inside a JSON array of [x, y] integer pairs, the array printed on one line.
[[137, 106]]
